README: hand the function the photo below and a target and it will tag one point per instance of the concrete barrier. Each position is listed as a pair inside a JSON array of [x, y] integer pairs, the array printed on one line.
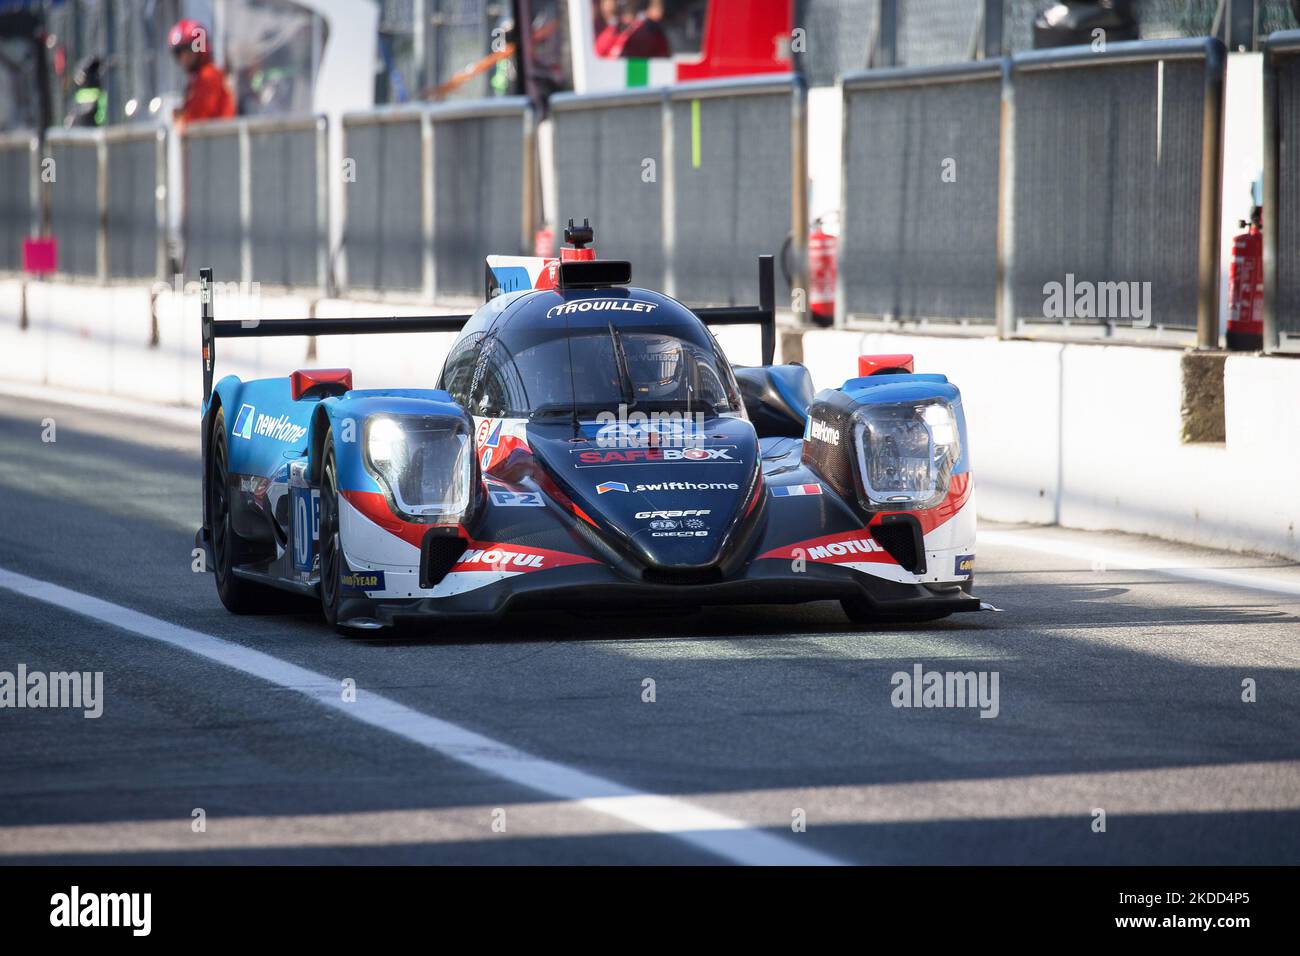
[[1084, 435], [1090, 436]]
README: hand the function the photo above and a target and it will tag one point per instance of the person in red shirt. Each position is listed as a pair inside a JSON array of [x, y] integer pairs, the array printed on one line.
[[207, 96], [644, 38], [610, 24]]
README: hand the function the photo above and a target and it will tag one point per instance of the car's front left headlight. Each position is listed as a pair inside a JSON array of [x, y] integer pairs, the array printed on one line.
[[426, 464], [906, 452]]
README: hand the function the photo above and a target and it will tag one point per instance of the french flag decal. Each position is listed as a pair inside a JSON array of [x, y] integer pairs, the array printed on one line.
[[791, 491]]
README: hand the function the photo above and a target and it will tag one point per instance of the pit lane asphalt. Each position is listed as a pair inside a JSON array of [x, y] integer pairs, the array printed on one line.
[[1119, 690]]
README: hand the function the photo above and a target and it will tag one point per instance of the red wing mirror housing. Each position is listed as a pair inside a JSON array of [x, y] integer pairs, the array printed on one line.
[[898, 364], [329, 381]]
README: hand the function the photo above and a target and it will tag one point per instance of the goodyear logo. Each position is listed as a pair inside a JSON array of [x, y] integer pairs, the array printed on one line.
[[964, 564], [363, 581]]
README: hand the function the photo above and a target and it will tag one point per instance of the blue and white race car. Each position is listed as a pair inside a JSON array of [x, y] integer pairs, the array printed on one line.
[[587, 444]]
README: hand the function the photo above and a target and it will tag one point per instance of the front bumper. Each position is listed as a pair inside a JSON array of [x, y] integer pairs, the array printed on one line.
[[589, 587]]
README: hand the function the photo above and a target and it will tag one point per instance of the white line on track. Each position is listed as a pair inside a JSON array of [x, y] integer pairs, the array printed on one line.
[[704, 829], [1113, 558]]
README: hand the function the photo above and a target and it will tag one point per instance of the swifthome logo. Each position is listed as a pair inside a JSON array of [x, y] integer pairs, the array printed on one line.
[[103, 909], [77, 690]]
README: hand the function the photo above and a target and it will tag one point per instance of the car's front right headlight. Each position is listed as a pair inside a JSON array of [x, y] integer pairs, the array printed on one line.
[[426, 464], [906, 452]]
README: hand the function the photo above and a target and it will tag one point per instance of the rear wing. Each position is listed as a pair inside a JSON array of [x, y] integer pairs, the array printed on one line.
[[763, 315]]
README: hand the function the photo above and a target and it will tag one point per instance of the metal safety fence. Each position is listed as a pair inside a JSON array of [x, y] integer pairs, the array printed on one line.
[[1281, 219], [106, 192], [690, 182], [1059, 186], [76, 187], [256, 201], [1112, 163], [919, 209], [19, 196], [430, 191]]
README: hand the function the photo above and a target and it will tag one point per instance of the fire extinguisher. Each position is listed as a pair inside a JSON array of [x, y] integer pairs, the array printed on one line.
[[822, 255], [1246, 286]]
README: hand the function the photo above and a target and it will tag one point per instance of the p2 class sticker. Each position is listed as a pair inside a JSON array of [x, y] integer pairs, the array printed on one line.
[[304, 508], [516, 499]]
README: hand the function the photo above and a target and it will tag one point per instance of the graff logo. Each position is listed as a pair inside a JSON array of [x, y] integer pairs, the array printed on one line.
[[600, 305], [642, 515]]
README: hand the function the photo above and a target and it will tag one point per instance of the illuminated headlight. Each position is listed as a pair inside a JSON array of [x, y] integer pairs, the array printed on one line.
[[426, 464], [906, 453]]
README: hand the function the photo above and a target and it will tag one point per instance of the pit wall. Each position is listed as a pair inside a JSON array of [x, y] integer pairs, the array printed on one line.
[[1087, 436]]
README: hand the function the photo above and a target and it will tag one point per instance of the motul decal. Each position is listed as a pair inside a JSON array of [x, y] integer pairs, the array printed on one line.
[[500, 556], [840, 548]]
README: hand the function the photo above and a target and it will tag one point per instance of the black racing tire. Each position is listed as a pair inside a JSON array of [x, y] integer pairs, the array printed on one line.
[[331, 550], [228, 549], [969, 584], [861, 612]]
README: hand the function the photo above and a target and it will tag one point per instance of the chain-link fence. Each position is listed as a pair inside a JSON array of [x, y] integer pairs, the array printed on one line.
[[735, 146], [918, 229], [256, 208], [214, 206], [19, 199], [75, 189], [288, 223], [1282, 192], [135, 202], [608, 157], [1115, 169], [433, 190]]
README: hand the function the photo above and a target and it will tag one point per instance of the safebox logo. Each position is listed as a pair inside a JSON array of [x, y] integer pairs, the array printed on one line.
[[244, 422]]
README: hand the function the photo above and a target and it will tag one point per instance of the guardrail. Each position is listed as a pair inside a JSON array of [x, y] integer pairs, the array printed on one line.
[[106, 191], [20, 203], [256, 203], [431, 190], [690, 182], [76, 187], [1281, 220], [918, 203], [135, 202], [1111, 171], [1056, 187]]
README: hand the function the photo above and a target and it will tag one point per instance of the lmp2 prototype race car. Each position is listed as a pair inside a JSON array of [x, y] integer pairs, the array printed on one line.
[[587, 444]]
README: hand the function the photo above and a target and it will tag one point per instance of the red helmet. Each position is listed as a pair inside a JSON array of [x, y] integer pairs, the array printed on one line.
[[191, 34]]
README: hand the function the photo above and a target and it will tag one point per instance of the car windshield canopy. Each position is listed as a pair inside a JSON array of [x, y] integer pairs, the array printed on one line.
[[536, 368]]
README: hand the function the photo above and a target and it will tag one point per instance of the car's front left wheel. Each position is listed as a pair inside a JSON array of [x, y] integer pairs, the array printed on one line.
[[240, 596], [331, 547]]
